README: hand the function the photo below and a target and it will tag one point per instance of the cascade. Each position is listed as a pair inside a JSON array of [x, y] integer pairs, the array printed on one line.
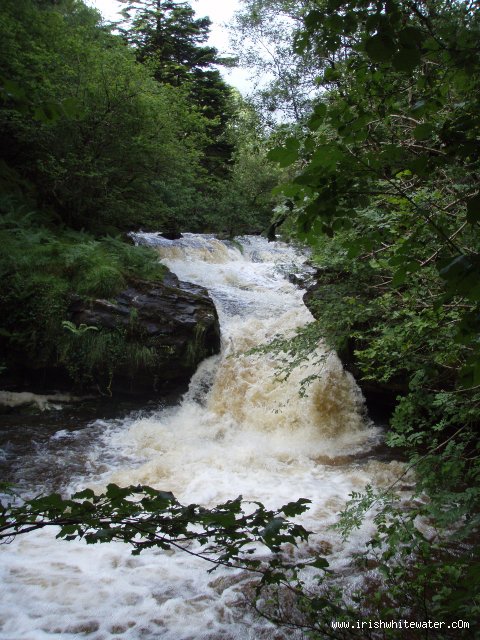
[[241, 428]]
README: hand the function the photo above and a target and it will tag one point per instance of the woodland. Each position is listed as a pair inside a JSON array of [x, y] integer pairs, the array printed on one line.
[[360, 141]]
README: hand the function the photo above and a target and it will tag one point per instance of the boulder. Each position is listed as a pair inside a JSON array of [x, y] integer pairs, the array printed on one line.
[[176, 321], [171, 235]]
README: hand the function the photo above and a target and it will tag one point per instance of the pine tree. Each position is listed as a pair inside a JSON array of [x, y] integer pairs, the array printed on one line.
[[168, 37]]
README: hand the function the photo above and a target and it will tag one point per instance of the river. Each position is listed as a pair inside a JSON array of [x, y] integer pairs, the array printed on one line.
[[239, 429]]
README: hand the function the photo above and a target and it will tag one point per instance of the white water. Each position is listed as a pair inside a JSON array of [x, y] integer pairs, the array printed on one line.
[[238, 430], [12, 399]]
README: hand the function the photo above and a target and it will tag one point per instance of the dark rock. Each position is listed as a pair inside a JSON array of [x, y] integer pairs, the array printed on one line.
[[303, 280], [296, 279], [272, 230], [127, 238], [160, 330], [381, 397], [171, 235], [176, 320]]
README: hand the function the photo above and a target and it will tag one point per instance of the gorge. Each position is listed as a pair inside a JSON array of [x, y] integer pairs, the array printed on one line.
[[239, 429]]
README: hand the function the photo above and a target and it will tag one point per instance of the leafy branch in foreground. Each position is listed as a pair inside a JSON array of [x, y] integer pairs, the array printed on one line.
[[145, 517], [296, 351], [287, 588]]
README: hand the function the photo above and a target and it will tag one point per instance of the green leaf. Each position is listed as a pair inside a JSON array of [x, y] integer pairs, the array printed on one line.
[[114, 492], [423, 131], [318, 563], [419, 165], [313, 19], [350, 22], [411, 37], [331, 74], [334, 23], [326, 157], [272, 529], [301, 42], [400, 276], [392, 153], [317, 117], [223, 519], [406, 60], [462, 275], [289, 190], [287, 154], [380, 47], [295, 508], [52, 502], [86, 494]]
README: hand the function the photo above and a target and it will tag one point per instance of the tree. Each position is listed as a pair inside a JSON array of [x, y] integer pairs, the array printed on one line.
[[168, 38], [262, 34], [166, 34], [103, 145]]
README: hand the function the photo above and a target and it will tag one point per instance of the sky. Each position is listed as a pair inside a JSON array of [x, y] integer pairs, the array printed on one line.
[[219, 12]]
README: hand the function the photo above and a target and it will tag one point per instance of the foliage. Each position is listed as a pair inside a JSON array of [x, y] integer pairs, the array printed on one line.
[[99, 142], [167, 38], [387, 167], [109, 137], [262, 36], [42, 271], [442, 578], [245, 201], [145, 517]]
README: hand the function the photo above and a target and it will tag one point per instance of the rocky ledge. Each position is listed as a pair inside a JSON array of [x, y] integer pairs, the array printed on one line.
[[144, 342], [175, 321]]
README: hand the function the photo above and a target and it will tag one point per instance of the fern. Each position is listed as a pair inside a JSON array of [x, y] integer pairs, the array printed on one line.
[[40, 271]]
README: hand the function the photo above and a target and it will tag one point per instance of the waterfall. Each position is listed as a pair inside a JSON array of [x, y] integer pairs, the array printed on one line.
[[241, 428]]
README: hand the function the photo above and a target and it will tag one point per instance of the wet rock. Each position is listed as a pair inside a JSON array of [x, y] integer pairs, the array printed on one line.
[[126, 237], [303, 280], [296, 279], [10, 400], [176, 321], [171, 235], [83, 628], [381, 397]]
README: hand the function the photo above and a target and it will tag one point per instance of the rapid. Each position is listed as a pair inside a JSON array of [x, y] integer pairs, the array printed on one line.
[[241, 428]]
